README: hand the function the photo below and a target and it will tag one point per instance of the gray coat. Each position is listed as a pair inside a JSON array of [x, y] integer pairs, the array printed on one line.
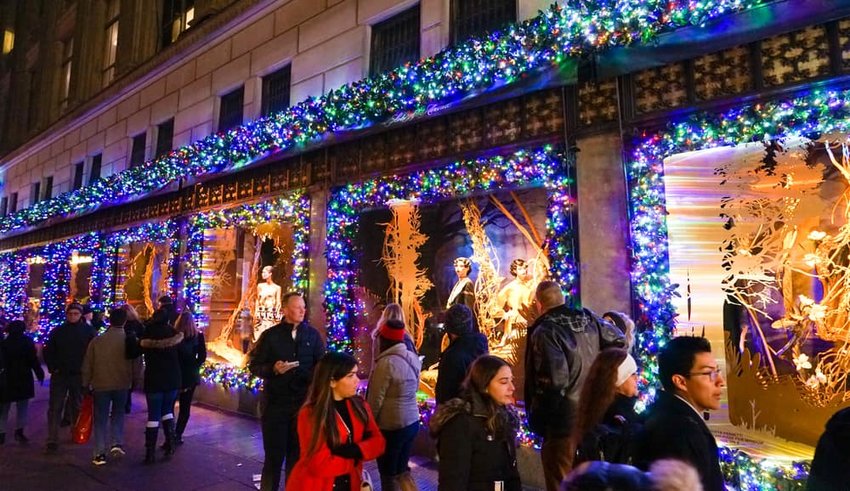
[[393, 386]]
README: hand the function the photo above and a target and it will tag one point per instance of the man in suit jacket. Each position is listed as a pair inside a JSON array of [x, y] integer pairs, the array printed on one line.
[[675, 428]]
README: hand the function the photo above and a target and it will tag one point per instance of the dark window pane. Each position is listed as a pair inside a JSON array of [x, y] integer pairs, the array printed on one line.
[[395, 41], [475, 17], [94, 173], [137, 155], [13, 203], [230, 115], [79, 169], [164, 138], [4, 206], [35, 193], [176, 17], [276, 91], [48, 187]]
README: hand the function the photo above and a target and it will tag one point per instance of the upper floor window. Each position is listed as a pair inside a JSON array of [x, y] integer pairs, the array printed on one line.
[[176, 17], [110, 47], [8, 41], [137, 153], [230, 111], [79, 170], [94, 171], [13, 202], [276, 91], [48, 188], [35, 193], [65, 70], [164, 137], [4, 206], [473, 17], [395, 41]]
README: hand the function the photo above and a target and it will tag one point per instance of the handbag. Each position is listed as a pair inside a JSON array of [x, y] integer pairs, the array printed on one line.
[[82, 428], [366, 481]]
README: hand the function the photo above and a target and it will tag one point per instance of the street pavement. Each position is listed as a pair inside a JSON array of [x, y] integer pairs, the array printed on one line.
[[222, 452]]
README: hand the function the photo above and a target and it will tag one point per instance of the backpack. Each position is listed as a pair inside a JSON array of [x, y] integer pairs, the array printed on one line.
[[609, 443]]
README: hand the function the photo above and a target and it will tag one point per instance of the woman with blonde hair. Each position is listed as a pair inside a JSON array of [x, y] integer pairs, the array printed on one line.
[[192, 353], [392, 311]]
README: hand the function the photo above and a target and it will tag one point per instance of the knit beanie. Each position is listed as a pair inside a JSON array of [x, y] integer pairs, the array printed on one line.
[[392, 330], [459, 320], [626, 369]]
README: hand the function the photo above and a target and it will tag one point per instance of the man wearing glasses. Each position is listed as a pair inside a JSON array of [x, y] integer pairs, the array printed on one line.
[[675, 428]]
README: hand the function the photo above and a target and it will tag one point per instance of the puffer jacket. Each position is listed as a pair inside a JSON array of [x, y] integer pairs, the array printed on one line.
[[471, 458], [562, 344], [393, 386]]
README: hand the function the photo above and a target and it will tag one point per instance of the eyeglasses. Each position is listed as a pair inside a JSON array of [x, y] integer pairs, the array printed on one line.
[[712, 375]]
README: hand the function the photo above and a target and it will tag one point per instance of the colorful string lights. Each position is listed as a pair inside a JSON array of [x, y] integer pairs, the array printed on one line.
[[542, 167], [472, 67]]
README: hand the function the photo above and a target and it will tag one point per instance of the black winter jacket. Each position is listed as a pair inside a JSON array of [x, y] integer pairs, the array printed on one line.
[[562, 344], [455, 361], [674, 430], [66, 347], [18, 351], [472, 459], [831, 465], [276, 344], [615, 438], [162, 365], [192, 353], [604, 475]]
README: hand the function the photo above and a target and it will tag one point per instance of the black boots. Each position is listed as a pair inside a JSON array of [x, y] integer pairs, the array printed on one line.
[[20, 437], [170, 438], [150, 445]]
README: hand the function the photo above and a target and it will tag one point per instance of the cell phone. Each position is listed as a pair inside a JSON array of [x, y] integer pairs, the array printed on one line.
[[499, 486], [293, 363]]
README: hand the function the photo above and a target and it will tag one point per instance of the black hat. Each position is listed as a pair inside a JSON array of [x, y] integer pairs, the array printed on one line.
[[87, 309], [459, 320], [74, 306]]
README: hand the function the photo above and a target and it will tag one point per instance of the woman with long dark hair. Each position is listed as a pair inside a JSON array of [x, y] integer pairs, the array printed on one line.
[[606, 418], [19, 353], [192, 352], [336, 430], [476, 432]]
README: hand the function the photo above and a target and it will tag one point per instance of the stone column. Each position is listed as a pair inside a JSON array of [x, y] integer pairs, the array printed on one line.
[[318, 263], [603, 224]]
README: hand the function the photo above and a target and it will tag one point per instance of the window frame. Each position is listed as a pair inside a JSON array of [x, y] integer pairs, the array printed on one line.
[[225, 102], [456, 36], [283, 73], [137, 149], [378, 45], [110, 50]]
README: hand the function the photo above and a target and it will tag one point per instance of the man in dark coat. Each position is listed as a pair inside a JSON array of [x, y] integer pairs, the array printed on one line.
[[562, 344], [63, 353], [831, 465], [284, 358], [21, 362], [466, 345], [675, 428]]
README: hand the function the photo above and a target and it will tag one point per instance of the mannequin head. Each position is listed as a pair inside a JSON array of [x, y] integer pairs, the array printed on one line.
[[463, 266], [267, 273]]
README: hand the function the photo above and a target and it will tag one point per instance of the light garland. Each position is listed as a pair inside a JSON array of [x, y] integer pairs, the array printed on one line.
[[294, 210], [475, 66], [230, 377], [820, 112], [542, 167]]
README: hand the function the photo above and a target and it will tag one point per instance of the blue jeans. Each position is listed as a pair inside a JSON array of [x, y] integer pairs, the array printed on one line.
[[62, 386], [160, 406], [399, 442], [108, 405], [22, 409]]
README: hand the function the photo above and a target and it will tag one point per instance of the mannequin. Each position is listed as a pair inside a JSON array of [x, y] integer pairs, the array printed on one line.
[[513, 296], [463, 292], [267, 309]]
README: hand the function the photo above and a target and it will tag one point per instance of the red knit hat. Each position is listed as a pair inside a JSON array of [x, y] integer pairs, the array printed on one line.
[[392, 330]]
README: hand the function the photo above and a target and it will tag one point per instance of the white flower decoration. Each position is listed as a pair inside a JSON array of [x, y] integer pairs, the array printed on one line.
[[820, 375], [805, 301], [811, 260], [817, 235], [801, 361], [817, 312], [812, 383]]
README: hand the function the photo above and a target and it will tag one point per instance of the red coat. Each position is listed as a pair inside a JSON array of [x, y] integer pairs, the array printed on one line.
[[316, 472]]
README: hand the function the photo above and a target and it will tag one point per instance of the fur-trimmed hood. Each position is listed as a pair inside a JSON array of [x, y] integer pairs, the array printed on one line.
[[471, 404]]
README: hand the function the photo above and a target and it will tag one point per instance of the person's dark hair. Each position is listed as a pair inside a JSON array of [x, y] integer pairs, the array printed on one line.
[[465, 262], [677, 358], [186, 324], [598, 392], [16, 327], [117, 317], [165, 300], [74, 306], [287, 296], [459, 320], [516, 264], [481, 373], [333, 366]]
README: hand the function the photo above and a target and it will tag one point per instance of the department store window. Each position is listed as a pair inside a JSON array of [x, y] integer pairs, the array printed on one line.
[[137, 153], [474, 17], [110, 47], [395, 41], [164, 137], [79, 170], [65, 70], [176, 19], [276, 91], [230, 111]]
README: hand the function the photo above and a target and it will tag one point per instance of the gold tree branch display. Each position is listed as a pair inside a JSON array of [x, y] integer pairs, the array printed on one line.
[[484, 254], [248, 298], [408, 282]]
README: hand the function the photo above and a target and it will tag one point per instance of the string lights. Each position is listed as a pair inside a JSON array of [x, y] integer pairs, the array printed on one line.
[[472, 67]]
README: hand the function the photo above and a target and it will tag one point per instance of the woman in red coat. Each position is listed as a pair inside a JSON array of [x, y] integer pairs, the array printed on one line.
[[336, 430]]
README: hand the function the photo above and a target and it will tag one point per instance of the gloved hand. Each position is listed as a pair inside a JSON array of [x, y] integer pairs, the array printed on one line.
[[348, 451]]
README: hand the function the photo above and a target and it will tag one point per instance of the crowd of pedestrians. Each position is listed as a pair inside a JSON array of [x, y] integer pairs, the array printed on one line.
[[580, 394]]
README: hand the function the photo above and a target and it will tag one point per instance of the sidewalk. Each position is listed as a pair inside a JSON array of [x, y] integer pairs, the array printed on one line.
[[221, 453]]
